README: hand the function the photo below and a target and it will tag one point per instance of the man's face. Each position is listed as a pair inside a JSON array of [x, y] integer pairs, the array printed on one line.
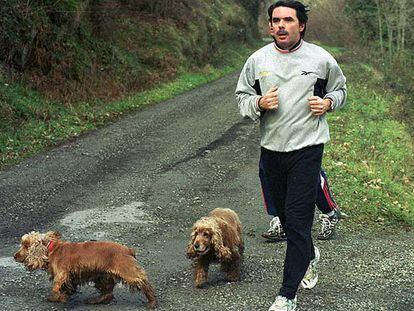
[[285, 27]]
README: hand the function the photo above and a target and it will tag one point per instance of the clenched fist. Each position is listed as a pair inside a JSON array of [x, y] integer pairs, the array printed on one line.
[[269, 100], [319, 106]]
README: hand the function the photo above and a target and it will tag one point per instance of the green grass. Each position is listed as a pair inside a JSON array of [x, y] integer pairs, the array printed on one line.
[[369, 158]]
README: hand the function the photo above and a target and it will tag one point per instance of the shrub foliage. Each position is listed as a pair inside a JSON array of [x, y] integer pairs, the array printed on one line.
[[78, 49]]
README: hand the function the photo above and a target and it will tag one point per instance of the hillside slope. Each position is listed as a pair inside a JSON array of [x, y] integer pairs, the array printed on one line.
[[103, 49]]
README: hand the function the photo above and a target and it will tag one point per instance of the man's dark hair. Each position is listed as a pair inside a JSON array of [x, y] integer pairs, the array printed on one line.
[[301, 11]]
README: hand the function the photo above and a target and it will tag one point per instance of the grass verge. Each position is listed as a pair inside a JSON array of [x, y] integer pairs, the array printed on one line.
[[370, 157]]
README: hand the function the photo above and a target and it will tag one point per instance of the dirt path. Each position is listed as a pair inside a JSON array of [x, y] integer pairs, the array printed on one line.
[[143, 182]]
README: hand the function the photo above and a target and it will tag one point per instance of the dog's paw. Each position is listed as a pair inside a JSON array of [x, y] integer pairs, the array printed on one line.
[[104, 299], [151, 304], [57, 298], [200, 284], [200, 280], [233, 277]]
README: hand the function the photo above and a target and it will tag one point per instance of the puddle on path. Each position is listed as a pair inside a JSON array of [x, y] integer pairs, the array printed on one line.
[[8, 262], [130, 213]]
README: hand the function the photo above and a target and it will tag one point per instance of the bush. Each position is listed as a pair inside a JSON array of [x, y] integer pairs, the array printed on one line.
[[81, 50]]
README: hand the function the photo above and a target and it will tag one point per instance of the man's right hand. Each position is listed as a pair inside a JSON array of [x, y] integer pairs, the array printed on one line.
[[269, 100]]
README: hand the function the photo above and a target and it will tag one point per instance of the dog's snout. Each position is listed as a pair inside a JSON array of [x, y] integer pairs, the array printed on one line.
[[196, 246], [17, 257]]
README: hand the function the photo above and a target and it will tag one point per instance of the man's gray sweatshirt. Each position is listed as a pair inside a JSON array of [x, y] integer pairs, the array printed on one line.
[[307, 71]]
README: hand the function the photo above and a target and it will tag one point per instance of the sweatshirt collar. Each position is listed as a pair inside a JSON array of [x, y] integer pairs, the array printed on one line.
[[293, 49]]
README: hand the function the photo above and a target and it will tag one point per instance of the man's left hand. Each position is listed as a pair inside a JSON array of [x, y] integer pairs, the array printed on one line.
[[319, 106]]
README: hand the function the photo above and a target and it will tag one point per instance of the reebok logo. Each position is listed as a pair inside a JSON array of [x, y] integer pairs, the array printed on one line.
[[305, 73], [264, 74]]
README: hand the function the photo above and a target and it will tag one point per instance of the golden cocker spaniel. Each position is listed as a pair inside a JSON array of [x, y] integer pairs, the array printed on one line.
[[74, 264], [216, 238]]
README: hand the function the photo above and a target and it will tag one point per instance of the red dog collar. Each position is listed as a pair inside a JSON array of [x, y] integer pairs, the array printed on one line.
[[50, 245]]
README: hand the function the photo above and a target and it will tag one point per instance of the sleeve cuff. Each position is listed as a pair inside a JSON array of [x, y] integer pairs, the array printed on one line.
[[332, 102], [257, 104]]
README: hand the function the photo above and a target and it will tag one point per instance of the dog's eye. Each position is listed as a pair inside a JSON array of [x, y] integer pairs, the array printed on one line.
[[206, 234]]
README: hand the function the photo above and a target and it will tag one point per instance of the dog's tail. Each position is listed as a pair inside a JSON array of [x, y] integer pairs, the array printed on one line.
[[140, 282], [133, 275], [145, 286]]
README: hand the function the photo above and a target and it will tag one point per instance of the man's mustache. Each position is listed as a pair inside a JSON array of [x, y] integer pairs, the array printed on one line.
[[282, 32]]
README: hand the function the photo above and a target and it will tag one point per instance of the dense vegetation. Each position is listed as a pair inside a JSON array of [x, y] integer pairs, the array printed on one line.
[[77, 49], [380, 32]]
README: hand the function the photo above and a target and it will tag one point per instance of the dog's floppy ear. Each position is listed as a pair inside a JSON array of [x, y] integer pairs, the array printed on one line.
[[191, 253], [36, 253], [53, 235], [222, 252]]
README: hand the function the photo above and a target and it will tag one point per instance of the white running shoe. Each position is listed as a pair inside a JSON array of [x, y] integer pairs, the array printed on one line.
[[283, 304], [328, 224], [311, 277], [275, 231]]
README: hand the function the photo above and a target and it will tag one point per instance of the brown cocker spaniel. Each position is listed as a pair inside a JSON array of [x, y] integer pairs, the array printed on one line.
[[216, 238], [74, 264]]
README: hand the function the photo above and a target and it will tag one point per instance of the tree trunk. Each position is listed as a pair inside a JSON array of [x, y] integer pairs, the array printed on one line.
[[379, 17]]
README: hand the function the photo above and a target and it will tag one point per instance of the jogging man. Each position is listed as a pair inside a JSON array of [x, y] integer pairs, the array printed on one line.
[[290, 85]]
